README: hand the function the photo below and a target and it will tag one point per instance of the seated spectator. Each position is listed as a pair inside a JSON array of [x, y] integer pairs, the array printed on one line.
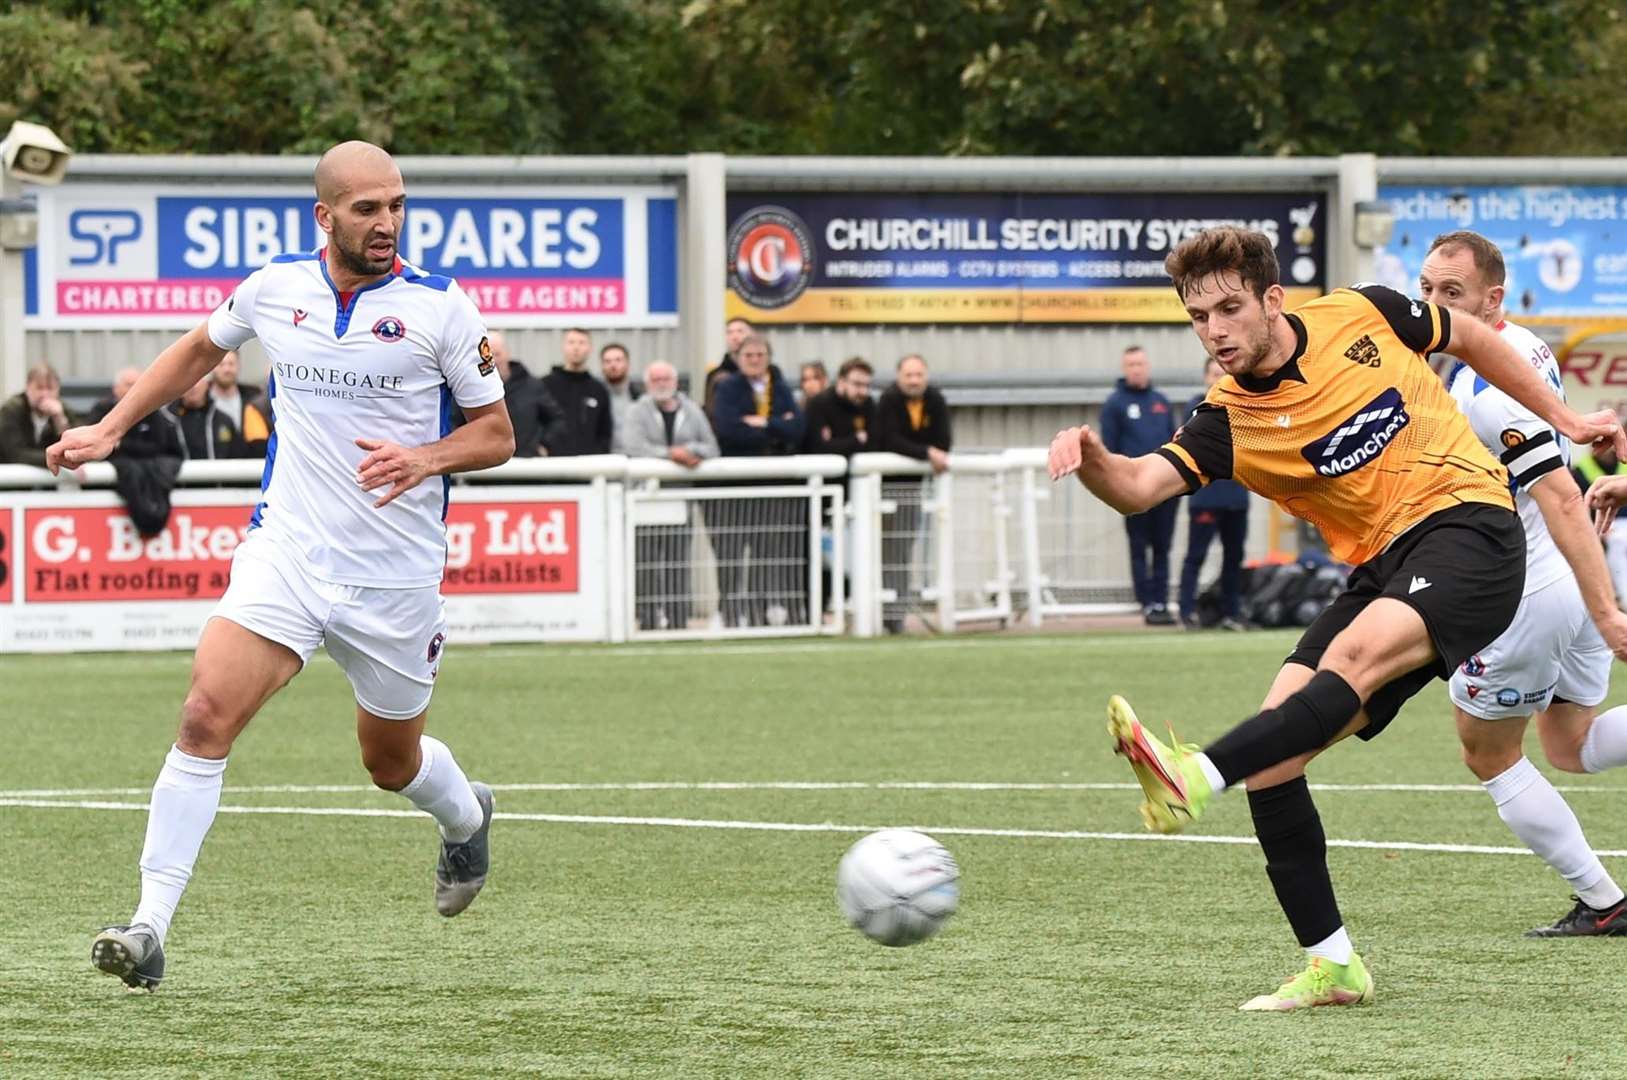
[[34, 419], [665, 423], [237, 402], [756, 415], [207, 432], [841, 417], [814, 381]]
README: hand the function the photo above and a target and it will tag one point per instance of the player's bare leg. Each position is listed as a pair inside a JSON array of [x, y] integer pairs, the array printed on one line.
[[234, 672], [401, 758]]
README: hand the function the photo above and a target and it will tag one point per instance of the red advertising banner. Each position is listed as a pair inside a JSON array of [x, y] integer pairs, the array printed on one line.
[[95, 553], [8, 555], [512, 547]]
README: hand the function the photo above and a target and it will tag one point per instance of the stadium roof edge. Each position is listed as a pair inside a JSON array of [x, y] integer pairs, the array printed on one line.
[[300, 167], [1482, 170]]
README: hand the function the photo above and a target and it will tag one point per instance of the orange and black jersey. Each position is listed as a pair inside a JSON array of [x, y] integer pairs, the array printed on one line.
[[1355, 433]]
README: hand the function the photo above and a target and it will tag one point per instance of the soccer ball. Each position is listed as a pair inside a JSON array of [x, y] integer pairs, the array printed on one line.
[[898, 886]]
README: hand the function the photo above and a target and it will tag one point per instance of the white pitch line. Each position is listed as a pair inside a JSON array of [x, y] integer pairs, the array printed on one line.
[[779, 785], [801, 827]]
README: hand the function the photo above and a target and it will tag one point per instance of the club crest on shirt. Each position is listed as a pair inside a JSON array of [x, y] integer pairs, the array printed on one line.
[[487, 364], [1512, 438], [389, 329], [435, 644]]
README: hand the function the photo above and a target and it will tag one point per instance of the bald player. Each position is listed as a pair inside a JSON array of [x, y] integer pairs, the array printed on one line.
[[346, 547]]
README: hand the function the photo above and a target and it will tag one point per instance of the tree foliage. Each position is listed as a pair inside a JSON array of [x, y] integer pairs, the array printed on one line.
[[1014, 77]]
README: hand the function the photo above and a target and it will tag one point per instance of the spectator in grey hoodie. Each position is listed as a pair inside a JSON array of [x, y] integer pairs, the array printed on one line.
[[665, 424]]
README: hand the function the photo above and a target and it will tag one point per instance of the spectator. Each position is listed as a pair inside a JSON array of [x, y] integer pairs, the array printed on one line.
[[756, 415], [1221, 506], [734, 332], [1587, 465], [840, 418], [207, 431], [665, 424], [532, 410], [34, 419], [584, 402], [1136, 420], [123, 379], [814, 380], [237, 402], [624, 389], [912, 419]]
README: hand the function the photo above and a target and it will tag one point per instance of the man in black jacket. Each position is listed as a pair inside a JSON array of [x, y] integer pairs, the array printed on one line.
[[756, 415], [532, 410], [912, 419], [207, 431], [583, 401], [842, 416]]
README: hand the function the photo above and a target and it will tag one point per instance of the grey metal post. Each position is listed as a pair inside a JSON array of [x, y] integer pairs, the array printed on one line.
[[1358, 182], [702, 270], [13, 362]]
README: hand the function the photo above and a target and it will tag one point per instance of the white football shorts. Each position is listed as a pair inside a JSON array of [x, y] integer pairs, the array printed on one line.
[[1551, 649], [387, 641]]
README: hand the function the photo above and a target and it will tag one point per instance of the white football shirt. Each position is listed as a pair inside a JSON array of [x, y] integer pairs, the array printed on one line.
[[1523, 442], [388, 361]]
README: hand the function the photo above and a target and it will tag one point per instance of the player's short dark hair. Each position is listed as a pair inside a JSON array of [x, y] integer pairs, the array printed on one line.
[[614, 345], [1248, 254], [1128, 349], [1488, 258], [852, 364]]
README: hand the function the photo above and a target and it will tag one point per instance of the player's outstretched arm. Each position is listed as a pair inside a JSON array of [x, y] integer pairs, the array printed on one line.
[[1129, 485], [1500, 364], [177, 368], [1565, 512], [486, 440]]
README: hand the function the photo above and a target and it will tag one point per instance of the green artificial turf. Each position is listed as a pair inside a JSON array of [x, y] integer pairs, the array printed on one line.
[[307, 944]]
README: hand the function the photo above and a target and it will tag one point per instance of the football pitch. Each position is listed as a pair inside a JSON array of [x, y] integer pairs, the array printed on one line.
[[669, 820]]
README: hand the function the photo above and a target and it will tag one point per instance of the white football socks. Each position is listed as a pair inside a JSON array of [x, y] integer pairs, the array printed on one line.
[[1335, 947], [442, 791], [1210, 773], [1541, 817], [183, 807], [1606, 744]]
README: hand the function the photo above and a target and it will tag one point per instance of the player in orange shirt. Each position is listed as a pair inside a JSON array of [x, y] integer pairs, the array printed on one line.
[[1334, 414]]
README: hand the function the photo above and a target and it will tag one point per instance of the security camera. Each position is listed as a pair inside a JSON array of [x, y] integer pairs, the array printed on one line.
[[32, 152]]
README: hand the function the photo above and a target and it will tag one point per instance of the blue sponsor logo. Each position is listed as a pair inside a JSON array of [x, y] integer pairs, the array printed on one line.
[[97, 235], [1361, 438], [1508, 698]]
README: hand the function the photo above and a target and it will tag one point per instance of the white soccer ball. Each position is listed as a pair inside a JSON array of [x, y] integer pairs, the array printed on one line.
[[898, 886]]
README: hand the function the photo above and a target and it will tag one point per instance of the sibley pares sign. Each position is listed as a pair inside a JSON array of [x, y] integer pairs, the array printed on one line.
[[167, 255]]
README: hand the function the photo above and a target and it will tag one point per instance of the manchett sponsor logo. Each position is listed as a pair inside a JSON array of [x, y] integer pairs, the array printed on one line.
[[1361, 438]]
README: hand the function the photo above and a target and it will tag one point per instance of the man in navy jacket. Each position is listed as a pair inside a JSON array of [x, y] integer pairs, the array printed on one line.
[[1136, 420], [1220, 506], [761, 545]]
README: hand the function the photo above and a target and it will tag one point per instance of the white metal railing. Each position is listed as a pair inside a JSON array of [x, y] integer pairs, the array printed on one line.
[[810, 544]]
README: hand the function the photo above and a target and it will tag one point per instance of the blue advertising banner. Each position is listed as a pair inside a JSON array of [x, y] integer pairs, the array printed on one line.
[[883, 258], [168, 255], [1565, 247]]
